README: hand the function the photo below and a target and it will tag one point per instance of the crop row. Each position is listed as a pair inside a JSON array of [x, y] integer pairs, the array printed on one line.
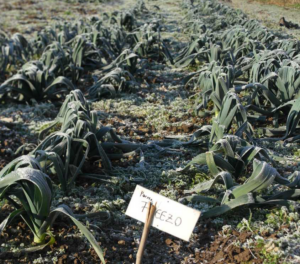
[[247, 76]]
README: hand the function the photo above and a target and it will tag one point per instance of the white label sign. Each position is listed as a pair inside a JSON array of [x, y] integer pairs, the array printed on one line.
[[170, 216]]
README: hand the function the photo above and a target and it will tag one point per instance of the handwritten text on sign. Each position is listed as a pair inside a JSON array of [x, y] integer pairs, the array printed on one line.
[[170, 216]]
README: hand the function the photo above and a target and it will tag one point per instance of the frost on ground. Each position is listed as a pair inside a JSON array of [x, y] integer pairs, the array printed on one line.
[[162, 108]]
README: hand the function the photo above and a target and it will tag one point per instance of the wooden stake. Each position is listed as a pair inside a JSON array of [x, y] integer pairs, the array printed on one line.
[[148, 222]]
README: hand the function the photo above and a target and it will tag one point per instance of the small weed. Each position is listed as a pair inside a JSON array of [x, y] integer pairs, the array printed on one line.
[[68, 13]]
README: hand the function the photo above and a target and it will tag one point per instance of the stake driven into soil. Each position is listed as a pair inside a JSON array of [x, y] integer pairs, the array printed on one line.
[[148, 222]]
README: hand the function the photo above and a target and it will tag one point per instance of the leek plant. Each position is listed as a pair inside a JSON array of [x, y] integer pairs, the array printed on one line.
[[33, 191]]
